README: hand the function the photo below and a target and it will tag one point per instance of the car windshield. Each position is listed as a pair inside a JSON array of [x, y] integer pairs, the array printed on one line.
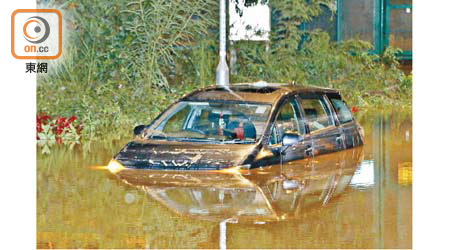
[[211, 121]]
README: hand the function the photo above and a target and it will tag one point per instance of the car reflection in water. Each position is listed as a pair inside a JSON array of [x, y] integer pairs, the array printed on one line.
[[272, 193]]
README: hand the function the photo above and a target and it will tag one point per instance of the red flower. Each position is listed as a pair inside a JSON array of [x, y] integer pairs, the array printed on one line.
[[38, 125], [45, 117], [42, 119], [59, 130], [354, 109], [57, 127], [60, 120], [71, 119]]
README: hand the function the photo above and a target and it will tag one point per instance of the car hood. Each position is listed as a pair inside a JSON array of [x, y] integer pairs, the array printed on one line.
[[170, 155]]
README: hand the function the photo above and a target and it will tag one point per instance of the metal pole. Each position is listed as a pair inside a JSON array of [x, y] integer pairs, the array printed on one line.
[[222, 72]]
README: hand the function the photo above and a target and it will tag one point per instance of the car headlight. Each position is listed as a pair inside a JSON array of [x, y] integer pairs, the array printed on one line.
[[115, 166]]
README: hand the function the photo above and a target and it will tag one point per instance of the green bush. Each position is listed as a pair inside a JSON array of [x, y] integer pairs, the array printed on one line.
[[124, 62]]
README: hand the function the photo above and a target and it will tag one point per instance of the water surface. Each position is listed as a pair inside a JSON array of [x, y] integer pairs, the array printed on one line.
[[358, 198]]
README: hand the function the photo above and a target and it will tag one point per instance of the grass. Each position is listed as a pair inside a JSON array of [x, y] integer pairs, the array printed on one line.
[[124, 62]]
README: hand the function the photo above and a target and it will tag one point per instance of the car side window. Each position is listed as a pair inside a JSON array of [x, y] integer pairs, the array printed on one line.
[[176, 122], [286, 121], [343, 112], [318, 115]]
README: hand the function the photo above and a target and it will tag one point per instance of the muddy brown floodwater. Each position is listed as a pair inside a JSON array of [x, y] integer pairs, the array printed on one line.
[[358, 198]]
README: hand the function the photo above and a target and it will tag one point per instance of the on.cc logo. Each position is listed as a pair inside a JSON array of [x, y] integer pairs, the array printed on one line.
[[36, 34], [40, 36]]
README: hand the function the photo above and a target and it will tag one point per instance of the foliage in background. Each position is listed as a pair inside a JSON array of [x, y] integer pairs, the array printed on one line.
[[120, 59], [124, 62]]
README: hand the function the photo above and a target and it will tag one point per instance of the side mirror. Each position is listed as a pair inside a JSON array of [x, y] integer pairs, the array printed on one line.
[[138, 129], [290, 139]]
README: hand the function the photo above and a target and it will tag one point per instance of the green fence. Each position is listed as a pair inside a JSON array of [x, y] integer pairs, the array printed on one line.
[[383, 23], [398, 28]]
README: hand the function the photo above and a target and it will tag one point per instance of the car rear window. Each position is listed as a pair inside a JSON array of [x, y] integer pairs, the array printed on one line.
[[343, 112]]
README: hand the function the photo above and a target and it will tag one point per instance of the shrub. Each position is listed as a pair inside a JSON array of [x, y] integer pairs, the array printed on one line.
[[125, 61]]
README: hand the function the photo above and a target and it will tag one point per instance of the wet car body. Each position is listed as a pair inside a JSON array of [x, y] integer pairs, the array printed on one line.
[[289, 123]]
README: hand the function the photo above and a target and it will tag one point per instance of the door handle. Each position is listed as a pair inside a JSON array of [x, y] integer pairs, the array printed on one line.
[[339, 139], [308, 150]]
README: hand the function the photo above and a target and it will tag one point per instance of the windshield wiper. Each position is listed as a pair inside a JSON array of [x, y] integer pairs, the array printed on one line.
[[214, 140], [239, 141], [157, 137], [152, 134], [189, 139]]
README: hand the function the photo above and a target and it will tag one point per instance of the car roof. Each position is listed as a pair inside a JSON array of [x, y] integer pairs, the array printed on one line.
[[260, 92]]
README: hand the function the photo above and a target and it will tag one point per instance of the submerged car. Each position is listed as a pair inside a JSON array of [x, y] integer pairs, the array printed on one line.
[[254, 195], [244, 126]]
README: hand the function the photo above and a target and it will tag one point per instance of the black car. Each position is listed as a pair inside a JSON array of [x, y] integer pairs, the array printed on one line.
[[243, 125]]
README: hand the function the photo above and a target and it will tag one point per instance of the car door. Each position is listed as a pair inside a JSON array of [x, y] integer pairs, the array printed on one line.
[[320, 123], [348, 125], [289, 120]]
